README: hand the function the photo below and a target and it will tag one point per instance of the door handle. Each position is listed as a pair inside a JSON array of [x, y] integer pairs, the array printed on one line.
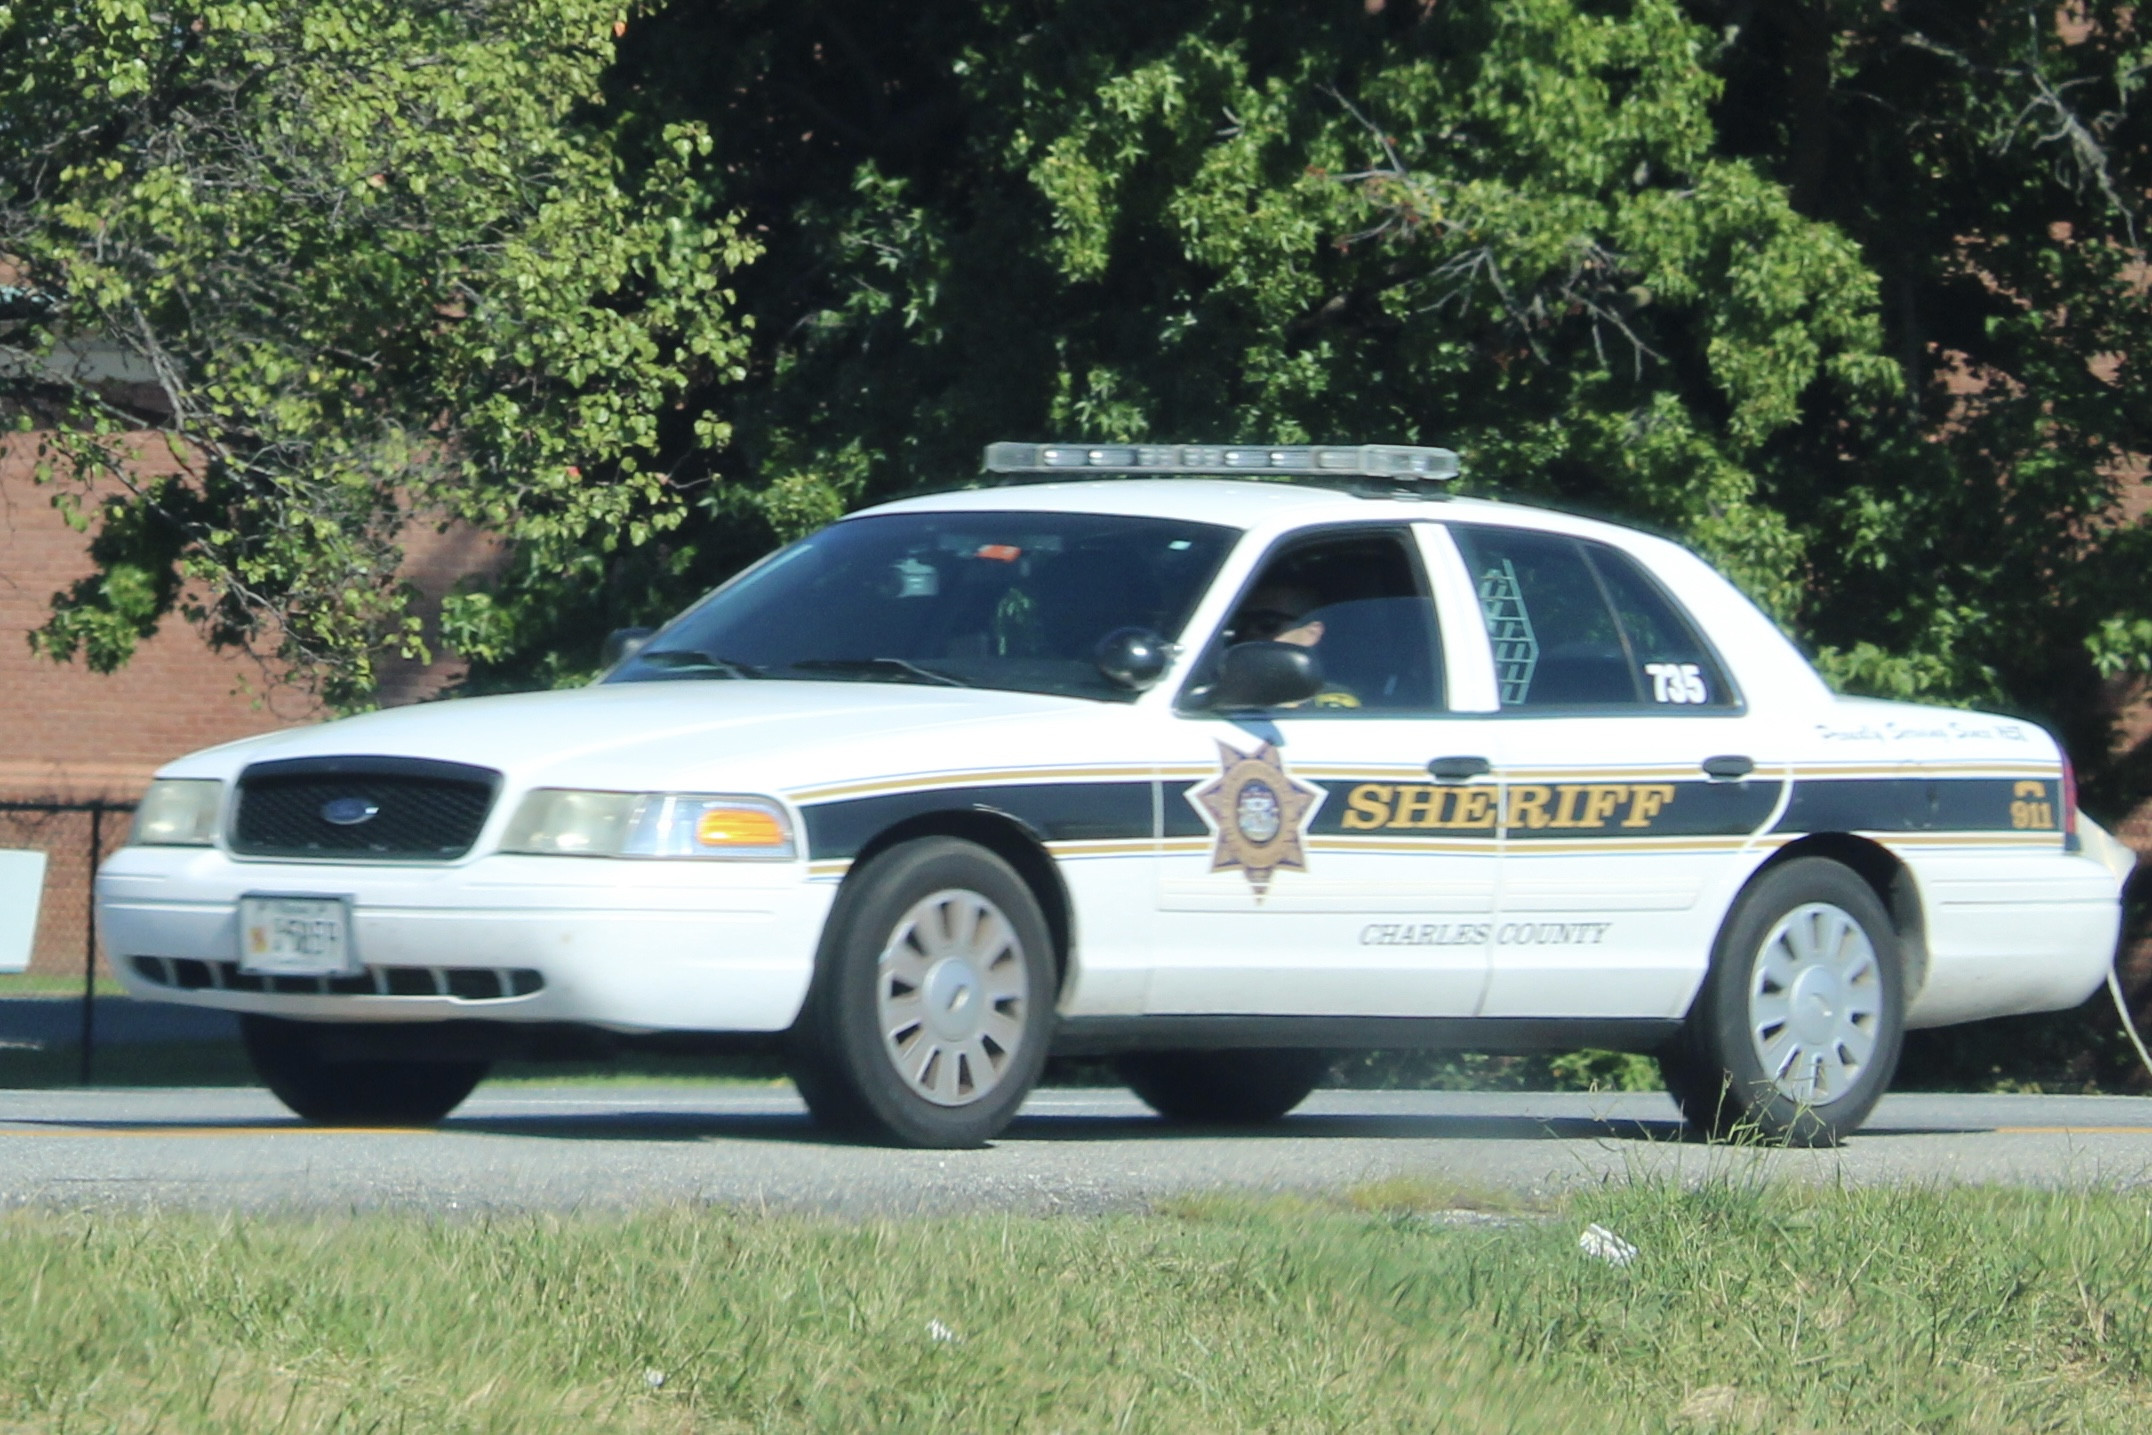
[[1728, 768], [1458, 769]]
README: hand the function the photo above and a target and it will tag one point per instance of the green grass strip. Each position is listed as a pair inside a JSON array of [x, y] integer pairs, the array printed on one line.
[[1748, 1307]]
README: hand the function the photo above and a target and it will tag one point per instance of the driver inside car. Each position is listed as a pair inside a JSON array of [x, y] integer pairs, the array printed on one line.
[[1279, 612]]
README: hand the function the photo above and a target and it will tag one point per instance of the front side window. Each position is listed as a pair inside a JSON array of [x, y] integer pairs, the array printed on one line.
[[1359, 602], [1017, 601], [1580, 625]]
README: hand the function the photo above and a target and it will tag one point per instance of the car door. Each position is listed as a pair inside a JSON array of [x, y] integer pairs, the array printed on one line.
[[1633, 777], [1310, 865]]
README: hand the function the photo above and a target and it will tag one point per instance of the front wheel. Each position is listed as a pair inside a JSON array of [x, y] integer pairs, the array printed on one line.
[[929, 1017], [288, 1057], [1797, 1030]]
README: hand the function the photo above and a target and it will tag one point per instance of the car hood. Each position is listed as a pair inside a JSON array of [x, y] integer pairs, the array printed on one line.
[[764, 736]]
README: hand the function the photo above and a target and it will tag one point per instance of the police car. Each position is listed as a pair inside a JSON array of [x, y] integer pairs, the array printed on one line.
[[1139, 751]]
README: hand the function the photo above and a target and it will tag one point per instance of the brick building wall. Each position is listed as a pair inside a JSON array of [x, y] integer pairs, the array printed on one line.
[[69, 736]]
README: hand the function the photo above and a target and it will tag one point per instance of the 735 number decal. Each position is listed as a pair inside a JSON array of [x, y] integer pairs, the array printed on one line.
[[1677, 683]]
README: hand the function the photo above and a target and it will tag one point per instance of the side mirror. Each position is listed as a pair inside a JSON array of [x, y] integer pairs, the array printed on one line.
[[622, 644], [1133, 658], [1267, 675]]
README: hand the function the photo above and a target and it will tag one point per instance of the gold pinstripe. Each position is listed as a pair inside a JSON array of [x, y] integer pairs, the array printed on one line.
[[1107, 847], [933, 781], [1684, 772], [2042, 841], [1726, 843], [1486, 847], [1925, 771]]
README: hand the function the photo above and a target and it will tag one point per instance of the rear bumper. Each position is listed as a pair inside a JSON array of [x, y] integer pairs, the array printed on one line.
[[2008, 935], [629, 946]]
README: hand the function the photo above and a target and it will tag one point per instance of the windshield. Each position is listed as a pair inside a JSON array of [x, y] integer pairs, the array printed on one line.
[[1017, 601]]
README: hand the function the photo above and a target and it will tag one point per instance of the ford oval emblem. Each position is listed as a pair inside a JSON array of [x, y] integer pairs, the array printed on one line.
[[349, 811]]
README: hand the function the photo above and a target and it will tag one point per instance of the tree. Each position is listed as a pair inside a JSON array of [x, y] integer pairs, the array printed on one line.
[[1505, 228], [1991, 160], [385, 263]]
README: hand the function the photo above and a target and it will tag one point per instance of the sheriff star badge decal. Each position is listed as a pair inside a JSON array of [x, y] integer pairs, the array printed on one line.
[[1260, 812]]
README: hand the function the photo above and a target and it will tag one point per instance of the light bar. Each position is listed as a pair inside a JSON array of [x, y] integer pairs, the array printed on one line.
[[1367, 460]]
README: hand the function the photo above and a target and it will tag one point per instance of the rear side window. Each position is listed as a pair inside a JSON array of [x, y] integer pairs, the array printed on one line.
[[1580, 625]]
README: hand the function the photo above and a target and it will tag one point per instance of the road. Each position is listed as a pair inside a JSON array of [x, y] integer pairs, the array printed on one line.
[[611, 1146]]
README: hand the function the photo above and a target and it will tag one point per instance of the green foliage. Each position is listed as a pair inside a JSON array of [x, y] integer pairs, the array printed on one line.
[[1504, 229], [1587, 1070], [364, 264], [1992, 161]]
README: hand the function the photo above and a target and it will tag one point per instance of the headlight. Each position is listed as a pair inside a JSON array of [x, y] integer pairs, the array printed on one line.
[[177, 812], [558, 822]]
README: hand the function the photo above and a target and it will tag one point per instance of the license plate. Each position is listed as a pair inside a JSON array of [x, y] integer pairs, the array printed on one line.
[[296, 937]]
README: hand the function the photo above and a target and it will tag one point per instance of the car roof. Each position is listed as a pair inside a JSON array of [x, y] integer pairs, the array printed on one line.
[[1242, 504]]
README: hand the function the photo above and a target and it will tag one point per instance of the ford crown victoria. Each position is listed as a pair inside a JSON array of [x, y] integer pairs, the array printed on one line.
[[1131, 755]]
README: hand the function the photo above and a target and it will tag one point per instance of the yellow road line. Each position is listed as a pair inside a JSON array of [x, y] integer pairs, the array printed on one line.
[[294, 1129]]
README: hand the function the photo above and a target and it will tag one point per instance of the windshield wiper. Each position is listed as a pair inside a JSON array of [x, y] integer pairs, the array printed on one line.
[[892, 667], [689, 660]]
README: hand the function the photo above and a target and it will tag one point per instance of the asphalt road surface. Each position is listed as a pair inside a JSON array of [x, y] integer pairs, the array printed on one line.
[[613, 1146]]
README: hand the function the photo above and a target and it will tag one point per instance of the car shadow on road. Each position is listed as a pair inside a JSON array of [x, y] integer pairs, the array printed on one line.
[[793, 1127], [642, 1126], [1048, 1126], [785, 1127]]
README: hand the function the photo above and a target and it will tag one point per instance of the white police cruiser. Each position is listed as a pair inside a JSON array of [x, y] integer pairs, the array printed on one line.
[[1212, 775]]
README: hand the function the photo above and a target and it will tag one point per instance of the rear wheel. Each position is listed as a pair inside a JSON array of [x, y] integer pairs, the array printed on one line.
[[928, 1021], [1231, 1088], [290, 1059], [1796, 1032]]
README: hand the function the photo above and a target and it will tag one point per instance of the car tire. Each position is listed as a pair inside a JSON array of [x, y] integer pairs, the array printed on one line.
[[288, 1057], [1223, 1088], [933, 999], [1796, 1032]]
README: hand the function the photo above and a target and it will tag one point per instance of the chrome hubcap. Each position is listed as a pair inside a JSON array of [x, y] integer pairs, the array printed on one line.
[[1815, 1003], [951, 994]]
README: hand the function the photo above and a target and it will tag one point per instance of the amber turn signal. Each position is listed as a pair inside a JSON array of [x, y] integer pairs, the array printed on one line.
[[739, 827]]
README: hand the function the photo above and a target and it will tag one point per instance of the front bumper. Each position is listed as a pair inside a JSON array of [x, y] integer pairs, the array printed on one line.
[[626, 945]]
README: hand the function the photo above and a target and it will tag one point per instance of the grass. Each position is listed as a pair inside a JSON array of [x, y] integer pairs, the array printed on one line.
[[162, 1063], [53, 984], [1750, 1307]]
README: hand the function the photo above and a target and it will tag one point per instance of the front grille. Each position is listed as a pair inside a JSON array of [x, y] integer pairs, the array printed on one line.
[[421, 811], [471, 984]]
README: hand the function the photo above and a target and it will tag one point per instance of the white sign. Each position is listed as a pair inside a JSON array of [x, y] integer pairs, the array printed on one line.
[[22, 882]]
